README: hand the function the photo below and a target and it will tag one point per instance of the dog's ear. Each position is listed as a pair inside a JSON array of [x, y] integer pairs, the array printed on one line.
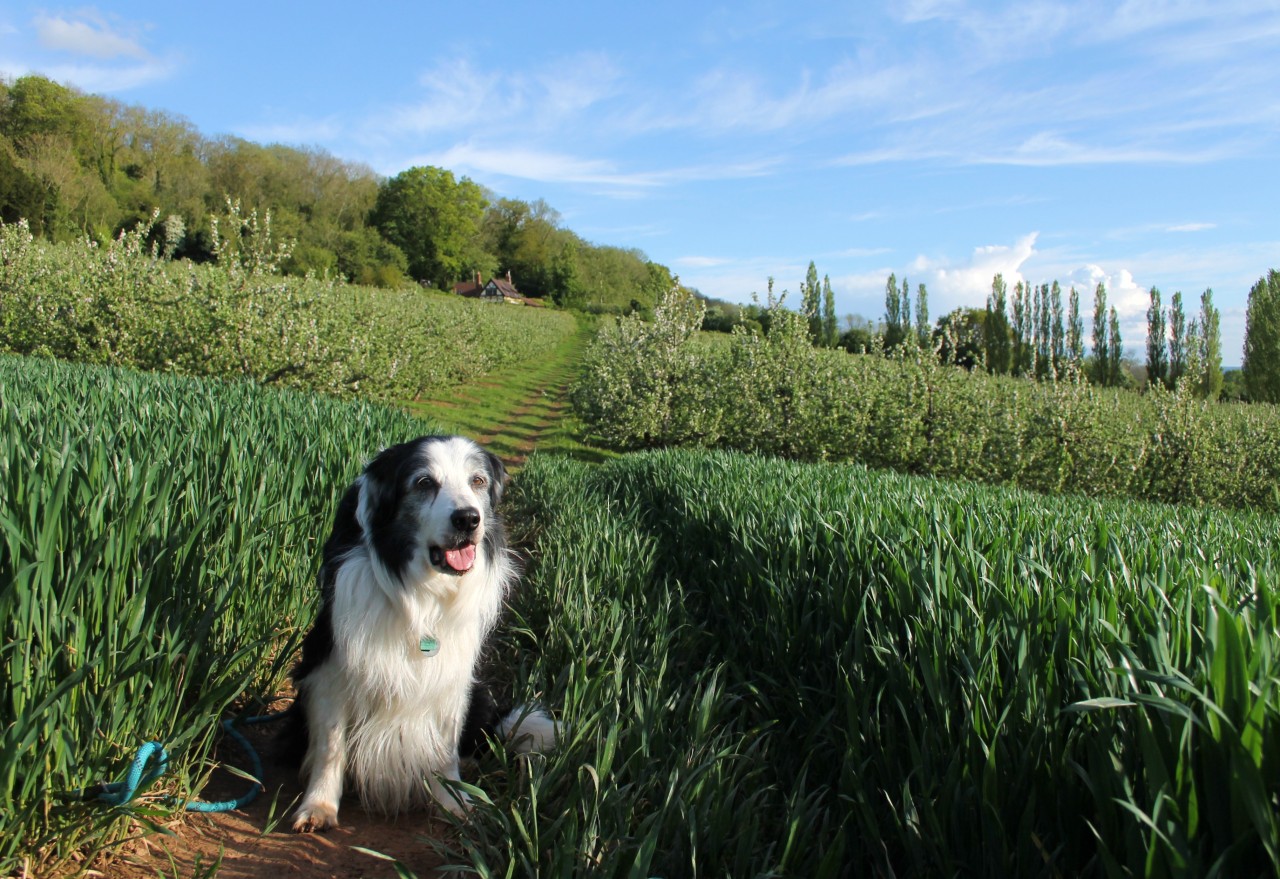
[[498, 477]]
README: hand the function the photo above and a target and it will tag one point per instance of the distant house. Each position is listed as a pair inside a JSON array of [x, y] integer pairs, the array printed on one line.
[[496, 290]]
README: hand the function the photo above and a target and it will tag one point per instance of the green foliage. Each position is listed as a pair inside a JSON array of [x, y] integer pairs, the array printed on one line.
[[771, 669], [1261, 364], [811, 303], [653, 384], [830, 329], [644, 382], [22, 195], [961, 337], [996, 329], [924, 332], [1157, 342], [1205, 350], [157, 558], [435, 221], [124, 305], [1178, 342], [1075, 334]]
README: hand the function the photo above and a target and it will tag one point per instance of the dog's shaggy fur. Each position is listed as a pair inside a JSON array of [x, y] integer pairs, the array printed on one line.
[[412, 581]]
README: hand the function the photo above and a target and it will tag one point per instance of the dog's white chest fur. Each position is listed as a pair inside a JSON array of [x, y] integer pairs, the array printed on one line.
[[402, 710], [417, 558]]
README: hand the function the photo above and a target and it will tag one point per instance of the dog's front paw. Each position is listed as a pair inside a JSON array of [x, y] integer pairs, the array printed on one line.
[[456, 801], [315, 817]]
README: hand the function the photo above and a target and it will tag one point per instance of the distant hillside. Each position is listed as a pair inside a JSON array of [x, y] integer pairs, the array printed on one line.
[[76, 165]]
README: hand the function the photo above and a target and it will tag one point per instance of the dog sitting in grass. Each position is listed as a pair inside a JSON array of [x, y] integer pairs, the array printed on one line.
[[412, 581]]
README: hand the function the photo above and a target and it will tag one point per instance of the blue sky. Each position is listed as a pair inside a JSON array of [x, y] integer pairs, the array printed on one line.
[[1132, 143]]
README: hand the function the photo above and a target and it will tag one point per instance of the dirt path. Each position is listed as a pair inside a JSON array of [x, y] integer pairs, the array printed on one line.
[[257, 842]]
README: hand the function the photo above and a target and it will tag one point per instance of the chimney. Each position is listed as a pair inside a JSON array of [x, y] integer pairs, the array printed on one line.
[[508, 276], [478, 283]]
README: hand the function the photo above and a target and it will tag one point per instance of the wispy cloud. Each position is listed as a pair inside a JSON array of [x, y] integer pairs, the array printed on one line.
[[90, 35], [107, 79], [701, 262], [302, 131], [534, 164], [458, 96], [92, 51]]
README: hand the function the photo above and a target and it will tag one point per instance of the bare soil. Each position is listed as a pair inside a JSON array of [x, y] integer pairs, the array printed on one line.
[[258, 842]]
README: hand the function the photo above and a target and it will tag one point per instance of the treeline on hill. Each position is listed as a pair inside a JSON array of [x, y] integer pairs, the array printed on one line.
[[76, 165], [654, 384]]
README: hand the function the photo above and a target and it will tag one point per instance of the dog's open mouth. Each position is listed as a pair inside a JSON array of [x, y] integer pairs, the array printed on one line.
[[457, 560]]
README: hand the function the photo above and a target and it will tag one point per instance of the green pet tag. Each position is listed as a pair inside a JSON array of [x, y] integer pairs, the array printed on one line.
[[429, 646]]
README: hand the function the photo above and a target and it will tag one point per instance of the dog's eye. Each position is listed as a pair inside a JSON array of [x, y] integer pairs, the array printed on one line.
[[479, 481], [426, 483]]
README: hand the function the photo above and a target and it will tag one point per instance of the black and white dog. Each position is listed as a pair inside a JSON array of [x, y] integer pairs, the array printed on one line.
[[412, 581]]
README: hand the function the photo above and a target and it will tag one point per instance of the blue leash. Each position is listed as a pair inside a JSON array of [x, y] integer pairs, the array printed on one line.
[[154, 755]]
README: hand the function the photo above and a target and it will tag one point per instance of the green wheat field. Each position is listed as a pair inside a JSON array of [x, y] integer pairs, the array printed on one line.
[[763, 668]]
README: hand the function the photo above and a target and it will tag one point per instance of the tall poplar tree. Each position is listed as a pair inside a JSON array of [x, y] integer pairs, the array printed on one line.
[[1044, 333], [830, 326], [1023, 321], [892, 314], [1210, 348], [1115, 350], [811, 303], [904, 298], [923, 333], [1101, 343], [1261, 365], [1057, 336], [1075, 331], [996, 328], [1157, 344], [1177, 341]]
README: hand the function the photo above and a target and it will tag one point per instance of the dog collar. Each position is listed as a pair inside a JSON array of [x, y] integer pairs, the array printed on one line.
[[429, 646]]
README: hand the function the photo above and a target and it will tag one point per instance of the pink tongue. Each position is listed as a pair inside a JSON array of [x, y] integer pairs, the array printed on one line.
[[460, 559]]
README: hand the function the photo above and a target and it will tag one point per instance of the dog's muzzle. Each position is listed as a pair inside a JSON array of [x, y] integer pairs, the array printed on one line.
[[461, 556]]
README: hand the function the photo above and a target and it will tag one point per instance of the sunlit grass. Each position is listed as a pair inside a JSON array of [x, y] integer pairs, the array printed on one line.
[[519, 408]]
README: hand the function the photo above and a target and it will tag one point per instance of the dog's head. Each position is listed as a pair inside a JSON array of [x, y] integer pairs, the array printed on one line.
[[432, 501]]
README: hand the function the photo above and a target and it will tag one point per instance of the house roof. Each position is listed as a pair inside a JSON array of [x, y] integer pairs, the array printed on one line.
[[506, 288]]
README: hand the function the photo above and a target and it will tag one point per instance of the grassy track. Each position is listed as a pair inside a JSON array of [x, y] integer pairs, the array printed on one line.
[[519, 408]]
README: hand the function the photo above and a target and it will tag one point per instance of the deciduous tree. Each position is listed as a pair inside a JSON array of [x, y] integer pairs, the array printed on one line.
[[1177, 341], [1075, 331], [1115, 350], [1209, 348], [830, 328], [996, 328], [1261, 365], [1157, 344], [435, 221]]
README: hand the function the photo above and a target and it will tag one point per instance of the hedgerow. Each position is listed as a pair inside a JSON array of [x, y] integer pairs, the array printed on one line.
[[124, 305], [646, 385]]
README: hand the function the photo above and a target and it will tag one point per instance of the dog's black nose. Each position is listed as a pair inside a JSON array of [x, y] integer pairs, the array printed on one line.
[[467, 519]]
